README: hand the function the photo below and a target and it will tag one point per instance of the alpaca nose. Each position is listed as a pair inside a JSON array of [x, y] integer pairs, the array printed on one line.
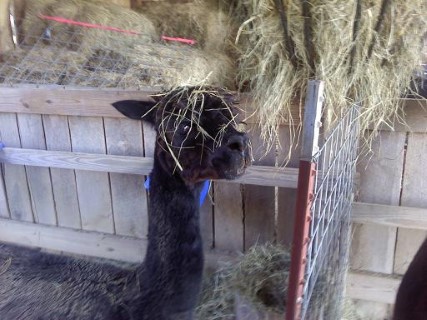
[[237, 143]]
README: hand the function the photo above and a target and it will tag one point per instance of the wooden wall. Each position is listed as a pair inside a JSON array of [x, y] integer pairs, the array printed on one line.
[[72, 180], [72, 168], [392, 220]]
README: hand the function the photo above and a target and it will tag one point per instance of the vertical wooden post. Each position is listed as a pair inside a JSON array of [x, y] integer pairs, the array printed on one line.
[[6, 42], [307, 172]]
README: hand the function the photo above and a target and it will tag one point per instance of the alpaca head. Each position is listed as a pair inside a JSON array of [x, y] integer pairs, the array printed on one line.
[[197, 134]]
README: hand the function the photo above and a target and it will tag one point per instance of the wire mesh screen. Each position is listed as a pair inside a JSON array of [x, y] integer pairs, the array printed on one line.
[[63, 54], [327, 254]]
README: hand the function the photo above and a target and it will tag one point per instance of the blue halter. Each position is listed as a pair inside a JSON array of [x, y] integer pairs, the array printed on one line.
[[203, 193]]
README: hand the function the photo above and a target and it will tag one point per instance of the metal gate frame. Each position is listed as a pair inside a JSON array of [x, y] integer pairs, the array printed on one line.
[[323, 205]]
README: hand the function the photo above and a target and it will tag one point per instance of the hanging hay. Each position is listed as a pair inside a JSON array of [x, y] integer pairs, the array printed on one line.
[[366, 52], [75, 55]]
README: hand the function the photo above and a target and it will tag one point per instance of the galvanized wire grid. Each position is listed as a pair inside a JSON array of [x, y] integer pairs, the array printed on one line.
[[62, 56], [327, 253]]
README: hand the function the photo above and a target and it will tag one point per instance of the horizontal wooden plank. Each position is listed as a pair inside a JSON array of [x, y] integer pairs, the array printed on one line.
[[74, 101], [77, 161], [372, 286], [392, 216], [258, 175], [58, 100], [78, 101], [269, 176], [73, 241]]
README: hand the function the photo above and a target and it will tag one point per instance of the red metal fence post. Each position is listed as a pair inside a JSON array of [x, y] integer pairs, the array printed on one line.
[[306, 180]]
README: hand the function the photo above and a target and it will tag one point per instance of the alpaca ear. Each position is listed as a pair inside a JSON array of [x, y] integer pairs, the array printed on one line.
[[139, 110]]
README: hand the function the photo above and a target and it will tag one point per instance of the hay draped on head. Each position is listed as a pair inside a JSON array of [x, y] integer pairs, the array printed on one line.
[[187, 103], [365, 51]]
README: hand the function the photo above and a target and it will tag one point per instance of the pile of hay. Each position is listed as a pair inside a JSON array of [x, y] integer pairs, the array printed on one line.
[[259, 283], [74, 55], [366, 52], [260, 277]]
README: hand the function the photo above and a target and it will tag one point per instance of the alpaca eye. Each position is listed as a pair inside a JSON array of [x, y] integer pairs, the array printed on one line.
[[186, 129]]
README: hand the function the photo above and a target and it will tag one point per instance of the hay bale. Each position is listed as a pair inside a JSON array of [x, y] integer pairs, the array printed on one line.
[[90, 11], [363, 53], [206, 21], [97, 58]]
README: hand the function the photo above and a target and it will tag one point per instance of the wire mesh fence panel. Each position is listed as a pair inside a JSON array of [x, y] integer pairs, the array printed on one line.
[[62, 54], [327, 252]]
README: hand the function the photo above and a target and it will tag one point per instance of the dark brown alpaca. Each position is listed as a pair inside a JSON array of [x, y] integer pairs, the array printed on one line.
[[196, 140], [411, 299]]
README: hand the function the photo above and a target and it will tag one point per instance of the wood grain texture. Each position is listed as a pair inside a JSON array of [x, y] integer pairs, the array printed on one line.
[[39, 182], [289, 155], [258, 175], [87, 135], [4, 207], [58, 100], [64, 185], [73, 241], [229, 214], [260, 202], [414, 193], [380, 179], [124, 137], [15, 177], [372, 287], [77, 101], [77, 161], [373, 246], [392, 216]]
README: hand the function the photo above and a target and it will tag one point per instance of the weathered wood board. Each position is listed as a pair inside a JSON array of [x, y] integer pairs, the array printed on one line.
[[73, 241], [15, 176], [259, 202], [125, 137], [64, 185], [94, 194], [32, 136], [288, 154], [373, 247], [414, 193], [229, 215]]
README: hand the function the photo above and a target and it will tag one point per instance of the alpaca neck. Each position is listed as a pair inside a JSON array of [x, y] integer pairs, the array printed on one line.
[[174, 231], [171, 275]]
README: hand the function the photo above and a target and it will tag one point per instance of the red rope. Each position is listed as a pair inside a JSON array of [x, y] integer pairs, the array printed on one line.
[[108, 28]]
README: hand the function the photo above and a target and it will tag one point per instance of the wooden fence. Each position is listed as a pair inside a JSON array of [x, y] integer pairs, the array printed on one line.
[[71, 181], [391, 223]]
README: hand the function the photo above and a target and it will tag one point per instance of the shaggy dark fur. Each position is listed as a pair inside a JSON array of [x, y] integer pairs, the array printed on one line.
[[206, 145], [411, 299]]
